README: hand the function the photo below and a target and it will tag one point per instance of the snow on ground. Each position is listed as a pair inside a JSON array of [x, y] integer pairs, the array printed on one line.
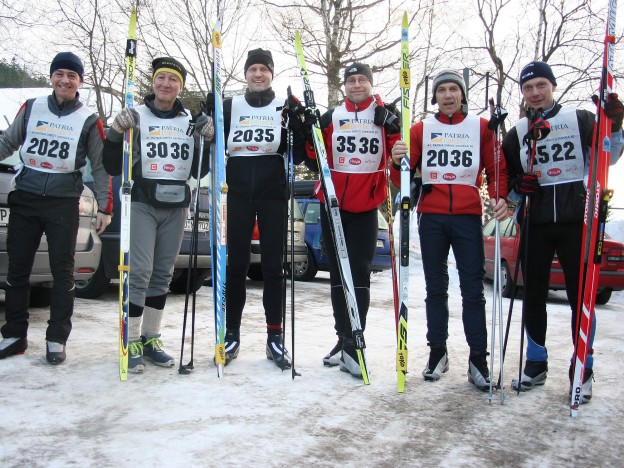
[[79, 413]]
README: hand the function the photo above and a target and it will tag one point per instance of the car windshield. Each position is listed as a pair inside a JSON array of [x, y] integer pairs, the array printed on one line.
[[381, 221]]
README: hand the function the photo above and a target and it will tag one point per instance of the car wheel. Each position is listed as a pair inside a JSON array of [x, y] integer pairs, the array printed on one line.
[[178, 283], [40, 296], [506, 279], [93, 287], [603, 296], [255, 273], [306, 270]]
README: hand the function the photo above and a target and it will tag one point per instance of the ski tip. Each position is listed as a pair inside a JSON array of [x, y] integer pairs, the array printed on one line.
[[404, 23]]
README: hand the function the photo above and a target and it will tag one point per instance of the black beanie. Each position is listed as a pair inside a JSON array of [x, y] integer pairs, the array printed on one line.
[[170, 65], [358, 68], [537, 70], [67, 61], [263, 57]]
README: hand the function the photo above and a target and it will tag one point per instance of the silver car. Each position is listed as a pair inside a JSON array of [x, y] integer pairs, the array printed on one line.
[[88, 245]]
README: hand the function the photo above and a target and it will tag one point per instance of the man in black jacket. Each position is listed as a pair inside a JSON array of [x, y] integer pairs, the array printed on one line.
[[55, 135], [257, 188], [557, 192]]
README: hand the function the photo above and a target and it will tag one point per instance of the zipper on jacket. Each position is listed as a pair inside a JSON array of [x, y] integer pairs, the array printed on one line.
[[555, 202], [450, 198], [45, 186], [345, 190], [356, 111]]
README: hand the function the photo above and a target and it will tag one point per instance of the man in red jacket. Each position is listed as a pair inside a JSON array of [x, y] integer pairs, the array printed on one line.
[[451, 149], [357, 135]]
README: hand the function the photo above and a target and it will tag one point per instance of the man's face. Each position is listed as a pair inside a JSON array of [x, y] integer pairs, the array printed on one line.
[[358, 88], [449, 98], [167, 86], [259, 77], [538, 93], [65, 84]]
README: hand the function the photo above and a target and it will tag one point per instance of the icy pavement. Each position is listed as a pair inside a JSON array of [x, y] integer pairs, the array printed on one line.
[[80, 414]]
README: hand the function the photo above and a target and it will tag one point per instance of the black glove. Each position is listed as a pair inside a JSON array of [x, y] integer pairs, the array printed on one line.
[[526, 183], [384, 116], [498, 116], [293, 114], [614, 109], [208, 106], [539, 128]]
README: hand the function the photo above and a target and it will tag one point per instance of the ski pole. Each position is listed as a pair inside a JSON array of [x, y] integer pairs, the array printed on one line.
[[498, 116], [291, 187], [192, 267]]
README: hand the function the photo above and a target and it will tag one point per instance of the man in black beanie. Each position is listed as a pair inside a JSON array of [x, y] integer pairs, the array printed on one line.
[[55, 135], [257, 188], [557, 192]]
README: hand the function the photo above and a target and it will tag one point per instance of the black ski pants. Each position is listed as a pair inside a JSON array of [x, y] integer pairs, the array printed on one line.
[[242, 213], [31, 216], [360, 230], [545, 240]]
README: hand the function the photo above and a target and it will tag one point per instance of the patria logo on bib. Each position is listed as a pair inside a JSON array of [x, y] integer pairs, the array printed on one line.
[[53, 129], [255, 120], [165, 131]]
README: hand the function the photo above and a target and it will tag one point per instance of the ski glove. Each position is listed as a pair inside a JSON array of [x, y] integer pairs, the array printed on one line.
[[526, 183], [208, 107], [126, 119], [539, 128], [384, 116], [293, 114], [614, 109], [204, 126]]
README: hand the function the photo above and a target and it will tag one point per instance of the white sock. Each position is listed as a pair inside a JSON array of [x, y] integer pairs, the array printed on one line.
[[134, 329], [152, 318]]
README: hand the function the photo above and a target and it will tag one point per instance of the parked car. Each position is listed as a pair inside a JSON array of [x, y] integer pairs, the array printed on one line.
[[94, 287], [316, 259], [611, 273], [88, 245], [300, 249], [107, 270]]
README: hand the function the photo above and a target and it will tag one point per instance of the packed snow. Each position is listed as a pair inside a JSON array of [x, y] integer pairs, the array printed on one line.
[[79, 413]]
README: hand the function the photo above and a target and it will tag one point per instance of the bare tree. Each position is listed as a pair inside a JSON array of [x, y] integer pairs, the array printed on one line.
[[335, 33], [429, 52], [188, 37], [95, 30], [564, 34]]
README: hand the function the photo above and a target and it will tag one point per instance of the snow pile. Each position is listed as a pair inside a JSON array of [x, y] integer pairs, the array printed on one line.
[[79, 413]]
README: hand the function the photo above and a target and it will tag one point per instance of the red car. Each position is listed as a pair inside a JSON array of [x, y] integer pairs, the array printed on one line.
[[611, 272]]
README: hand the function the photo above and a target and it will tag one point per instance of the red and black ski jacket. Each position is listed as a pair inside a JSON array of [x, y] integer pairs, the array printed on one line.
[[356, 192], [455, 199]]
